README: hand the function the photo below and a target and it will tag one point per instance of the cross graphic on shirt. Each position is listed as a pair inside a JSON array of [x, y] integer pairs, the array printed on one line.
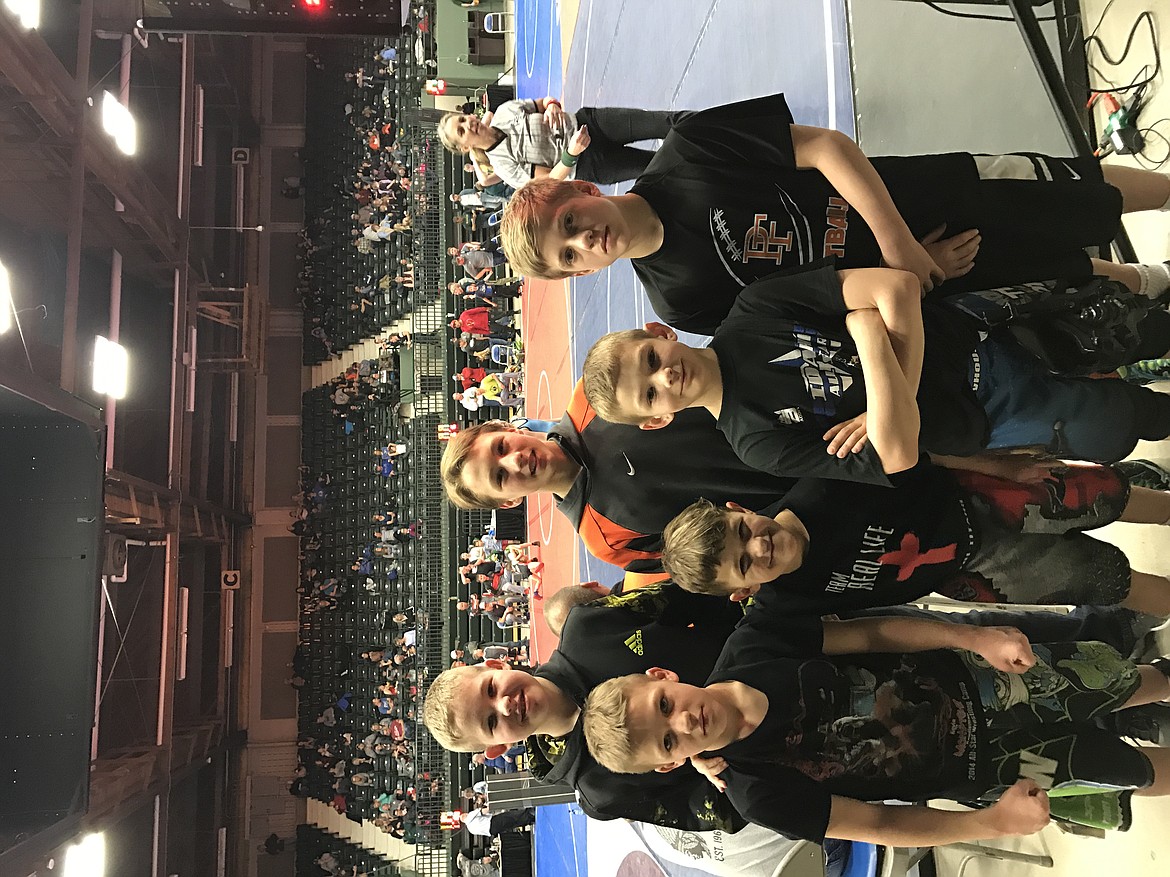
[[909, 556]]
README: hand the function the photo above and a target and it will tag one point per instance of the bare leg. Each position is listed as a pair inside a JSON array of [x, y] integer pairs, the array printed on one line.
[[1146, 506], [1126, 274], [1140, 189], [1155, 688], [1148, 593], [1160, 761]]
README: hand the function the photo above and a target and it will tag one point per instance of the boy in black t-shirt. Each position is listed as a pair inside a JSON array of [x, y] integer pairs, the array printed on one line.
[[899, 712], [785, 374], [738, 191], [837, 546]]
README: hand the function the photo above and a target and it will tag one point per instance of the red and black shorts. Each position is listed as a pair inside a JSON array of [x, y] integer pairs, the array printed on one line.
[[1031, 545]]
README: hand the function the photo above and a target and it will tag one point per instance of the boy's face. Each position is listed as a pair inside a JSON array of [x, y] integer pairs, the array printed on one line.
[[660, 376], [669, 721], [508, 465], [585, 233], [756, 550], [496, 706]]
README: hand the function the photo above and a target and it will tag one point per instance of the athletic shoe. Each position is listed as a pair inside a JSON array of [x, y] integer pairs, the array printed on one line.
[[1144, 473], [1149, 723], [1146, 371]]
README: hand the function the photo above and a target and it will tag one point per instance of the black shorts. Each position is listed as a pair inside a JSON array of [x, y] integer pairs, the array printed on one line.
[[1036, 214], [1039, 727]]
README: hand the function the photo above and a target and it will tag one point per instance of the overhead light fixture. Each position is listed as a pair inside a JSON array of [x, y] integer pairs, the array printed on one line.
[[87, 858], [111, 367], [28, 11], [5, 301], [118, 122]]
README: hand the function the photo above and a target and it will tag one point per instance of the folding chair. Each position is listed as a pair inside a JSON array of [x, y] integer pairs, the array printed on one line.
[[497, 22], [503, 354]]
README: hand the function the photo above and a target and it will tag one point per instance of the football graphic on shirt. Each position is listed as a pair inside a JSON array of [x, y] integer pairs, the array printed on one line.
[[751, 245], [818, 359]]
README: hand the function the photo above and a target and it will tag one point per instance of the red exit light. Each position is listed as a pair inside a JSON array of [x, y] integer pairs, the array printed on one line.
[[313, 5]]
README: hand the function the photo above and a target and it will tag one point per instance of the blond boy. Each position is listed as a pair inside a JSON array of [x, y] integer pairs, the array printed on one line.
[[847, 374], [737, 192], [809, 738]]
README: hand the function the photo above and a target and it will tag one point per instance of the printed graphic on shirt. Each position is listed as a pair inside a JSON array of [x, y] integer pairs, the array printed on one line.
[[874, 722], [874, 555], [775, 239], [827, 370], [634, 642]]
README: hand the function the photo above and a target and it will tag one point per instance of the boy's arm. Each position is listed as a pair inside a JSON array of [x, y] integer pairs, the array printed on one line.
[[845, 166], [1022, 809], [1005, 648], [892, 419], [895, 296], [1027, 468]]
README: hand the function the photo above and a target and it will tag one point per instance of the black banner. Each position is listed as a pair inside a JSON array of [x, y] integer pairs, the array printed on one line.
[[301, 17]]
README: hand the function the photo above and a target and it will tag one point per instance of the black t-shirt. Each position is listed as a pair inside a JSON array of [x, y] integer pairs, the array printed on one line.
[[869, 727], [790, 370], [633, 481], [873, 546], [655, 626], [734, 207]]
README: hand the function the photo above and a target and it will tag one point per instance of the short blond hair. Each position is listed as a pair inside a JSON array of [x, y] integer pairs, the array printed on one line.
[[607, 726], [524, 223], [603, 370], [692, 546], [559, 605], [438, 712], [455, 460]]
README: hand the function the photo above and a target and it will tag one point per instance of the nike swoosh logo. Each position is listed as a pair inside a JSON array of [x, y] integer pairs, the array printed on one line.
[[1071, 172], [631, 465]]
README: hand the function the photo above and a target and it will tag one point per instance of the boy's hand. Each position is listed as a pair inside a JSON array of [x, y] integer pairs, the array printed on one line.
[[847, 438], [909, 255], [580, 141], [711, 768], [1005, 648], [954, 255], [1022, 809]]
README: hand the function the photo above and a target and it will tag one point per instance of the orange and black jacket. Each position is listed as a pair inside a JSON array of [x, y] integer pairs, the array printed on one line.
[[633, 481]]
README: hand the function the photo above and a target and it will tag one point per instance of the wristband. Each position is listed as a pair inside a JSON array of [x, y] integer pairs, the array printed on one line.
[[567, 159], [547, 103]]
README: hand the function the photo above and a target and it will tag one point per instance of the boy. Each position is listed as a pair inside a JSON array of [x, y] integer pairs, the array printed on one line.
[[618, 486], [837, 546], [783, 375], [737, 192], [843, 713], [489, 707]]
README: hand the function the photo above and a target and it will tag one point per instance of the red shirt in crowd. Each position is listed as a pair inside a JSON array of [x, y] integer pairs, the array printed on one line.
[[471, 376], [475, 321]]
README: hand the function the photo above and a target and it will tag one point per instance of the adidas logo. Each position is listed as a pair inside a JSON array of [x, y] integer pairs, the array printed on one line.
[[634, 643]]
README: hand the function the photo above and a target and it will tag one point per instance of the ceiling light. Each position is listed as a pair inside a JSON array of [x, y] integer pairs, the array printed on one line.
[[87, 858], [111, 366], [5, 301], [119, 123], [28, 11]]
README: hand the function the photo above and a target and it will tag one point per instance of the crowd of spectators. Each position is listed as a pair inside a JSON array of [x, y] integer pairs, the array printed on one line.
[[363, 727], [483, 320], [366, 184]]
